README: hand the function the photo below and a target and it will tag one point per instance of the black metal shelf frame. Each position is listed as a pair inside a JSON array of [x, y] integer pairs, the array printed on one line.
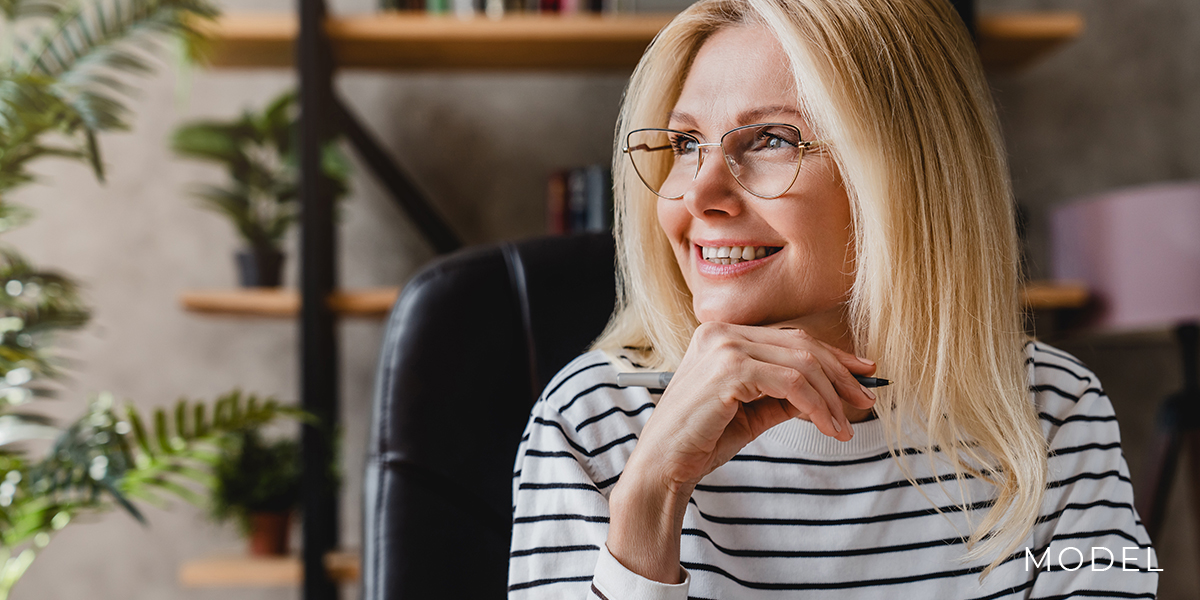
[[319, 379]]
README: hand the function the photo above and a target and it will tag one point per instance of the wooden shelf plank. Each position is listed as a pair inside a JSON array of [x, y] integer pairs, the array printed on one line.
[[1012, 41], [263, 571], [285, 303], [418, 41], [1055, 295]]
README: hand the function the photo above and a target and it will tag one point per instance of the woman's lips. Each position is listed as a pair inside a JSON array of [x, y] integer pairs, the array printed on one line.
[[722, 253]]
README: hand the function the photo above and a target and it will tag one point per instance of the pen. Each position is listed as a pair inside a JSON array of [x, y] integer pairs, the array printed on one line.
[[660, 379]]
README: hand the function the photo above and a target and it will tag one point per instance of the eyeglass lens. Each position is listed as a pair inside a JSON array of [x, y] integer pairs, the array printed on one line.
[[763, 158]]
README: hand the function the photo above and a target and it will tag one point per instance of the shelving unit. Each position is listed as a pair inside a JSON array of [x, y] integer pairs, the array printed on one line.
[[316, 45]]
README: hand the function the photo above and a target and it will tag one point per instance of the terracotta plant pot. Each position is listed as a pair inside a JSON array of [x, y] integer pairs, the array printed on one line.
[[269, 533]]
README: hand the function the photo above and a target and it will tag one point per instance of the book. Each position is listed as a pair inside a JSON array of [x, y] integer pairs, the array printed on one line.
[[579, 199]]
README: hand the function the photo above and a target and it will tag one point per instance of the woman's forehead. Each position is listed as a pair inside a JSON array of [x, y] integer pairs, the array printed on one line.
[[740, 75]]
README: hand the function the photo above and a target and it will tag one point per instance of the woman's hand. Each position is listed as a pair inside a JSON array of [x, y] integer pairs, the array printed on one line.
[[734, 383]]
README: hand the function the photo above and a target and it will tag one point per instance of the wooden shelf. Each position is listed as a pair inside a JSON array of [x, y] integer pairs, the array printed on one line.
[[420, 41], [1012, 41], [285, 303], [546, 42], [1055, 295], [263, 571]]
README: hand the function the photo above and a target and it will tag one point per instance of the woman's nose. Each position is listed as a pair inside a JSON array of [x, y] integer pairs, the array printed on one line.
[[714, 192]]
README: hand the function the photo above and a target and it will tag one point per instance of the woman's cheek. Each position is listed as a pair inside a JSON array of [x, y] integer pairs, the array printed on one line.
[[673, 218]]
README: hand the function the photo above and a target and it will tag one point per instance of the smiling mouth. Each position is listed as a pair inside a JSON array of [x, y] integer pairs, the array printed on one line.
[[732, 255]]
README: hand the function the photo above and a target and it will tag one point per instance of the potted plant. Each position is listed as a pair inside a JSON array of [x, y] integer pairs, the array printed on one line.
[[260, 152], [257, 483]]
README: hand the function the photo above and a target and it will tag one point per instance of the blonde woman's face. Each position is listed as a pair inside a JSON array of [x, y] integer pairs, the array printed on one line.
[[801, 268]]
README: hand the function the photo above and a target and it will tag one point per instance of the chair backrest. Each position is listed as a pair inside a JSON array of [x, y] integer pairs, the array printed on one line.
[[468, 347]]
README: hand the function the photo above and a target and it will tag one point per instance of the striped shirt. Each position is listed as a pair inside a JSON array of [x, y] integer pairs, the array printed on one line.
[[797, 514]]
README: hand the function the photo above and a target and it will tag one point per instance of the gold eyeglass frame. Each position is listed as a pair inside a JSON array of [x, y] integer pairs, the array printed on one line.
[[804, 146], [700, 162]]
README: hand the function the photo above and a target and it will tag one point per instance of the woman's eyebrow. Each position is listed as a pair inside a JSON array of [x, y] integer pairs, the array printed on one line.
[[681, 118], [756, 114], [746, 117]]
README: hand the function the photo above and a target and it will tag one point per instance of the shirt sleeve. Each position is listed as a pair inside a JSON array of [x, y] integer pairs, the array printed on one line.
[[1096, 545], [560, 520]]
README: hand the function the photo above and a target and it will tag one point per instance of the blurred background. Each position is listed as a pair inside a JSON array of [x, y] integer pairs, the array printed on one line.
[[1119, 106]]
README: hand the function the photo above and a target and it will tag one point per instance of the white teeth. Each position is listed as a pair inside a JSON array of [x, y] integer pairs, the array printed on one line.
[[731, 255]]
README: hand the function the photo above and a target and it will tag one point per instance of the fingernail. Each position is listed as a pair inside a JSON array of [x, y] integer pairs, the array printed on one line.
[[836, 427], [865, 361], [867, 391]]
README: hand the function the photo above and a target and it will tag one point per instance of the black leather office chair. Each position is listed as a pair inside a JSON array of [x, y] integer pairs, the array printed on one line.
[[469, 345]]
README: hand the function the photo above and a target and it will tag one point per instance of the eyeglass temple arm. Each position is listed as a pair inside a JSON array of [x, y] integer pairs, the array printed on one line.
[[627, 149]]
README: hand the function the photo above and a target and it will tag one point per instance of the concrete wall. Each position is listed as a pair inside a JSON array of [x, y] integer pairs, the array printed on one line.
[[1116, 108]]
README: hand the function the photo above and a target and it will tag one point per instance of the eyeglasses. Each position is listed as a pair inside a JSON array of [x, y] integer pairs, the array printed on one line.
[[764, 158]]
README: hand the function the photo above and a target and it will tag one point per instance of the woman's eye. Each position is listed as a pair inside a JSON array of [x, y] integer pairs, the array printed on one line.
[[772, 141], [683, 145]]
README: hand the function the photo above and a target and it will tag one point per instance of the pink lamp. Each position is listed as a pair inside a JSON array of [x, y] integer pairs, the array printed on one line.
[[1138, 250]]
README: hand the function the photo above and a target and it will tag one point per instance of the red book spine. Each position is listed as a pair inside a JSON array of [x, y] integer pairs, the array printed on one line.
[[556, 203]]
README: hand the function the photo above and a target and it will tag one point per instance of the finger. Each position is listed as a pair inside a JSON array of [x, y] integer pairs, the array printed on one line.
[[843, 380], [836, 380], [791, 336], [818, 379], [856, 364], [779, 381]]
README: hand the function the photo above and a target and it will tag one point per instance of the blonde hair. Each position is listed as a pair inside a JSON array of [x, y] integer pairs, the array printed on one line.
[[898, 91]]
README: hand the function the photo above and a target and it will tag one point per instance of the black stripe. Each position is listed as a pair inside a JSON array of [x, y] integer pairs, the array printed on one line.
[[577, 447], [833, 585], [1010, 591], [1061, 368], [552, 550], [860, 583], [1082, 506], [754, 489], [569, 377], [559, 517], [540, 582], [607, 482], [616, 409], [549, 454], [1088, 475], [1051, 568], [559, 486], [924, 512], [1098, 533], [1050, 388], [598, 386], [700, 533], [596, 591], [1084, 447], [1097, 594], [1073, 418], [825, 463]]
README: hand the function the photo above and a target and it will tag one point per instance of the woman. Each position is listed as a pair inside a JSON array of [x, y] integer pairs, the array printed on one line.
[[809, 190]]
